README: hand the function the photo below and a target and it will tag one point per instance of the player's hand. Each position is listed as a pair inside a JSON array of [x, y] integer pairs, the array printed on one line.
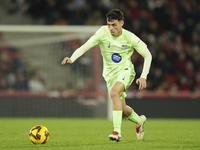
[[142, 83], [66, 60]]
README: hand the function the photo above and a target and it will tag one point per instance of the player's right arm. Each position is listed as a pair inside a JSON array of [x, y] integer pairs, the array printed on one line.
[[78, 52], [94, 40]]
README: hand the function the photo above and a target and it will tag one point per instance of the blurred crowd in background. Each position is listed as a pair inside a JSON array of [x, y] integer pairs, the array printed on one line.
[[16, 74], [171, 30]]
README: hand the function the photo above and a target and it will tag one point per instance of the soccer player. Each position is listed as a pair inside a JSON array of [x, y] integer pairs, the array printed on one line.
[[117, 46]]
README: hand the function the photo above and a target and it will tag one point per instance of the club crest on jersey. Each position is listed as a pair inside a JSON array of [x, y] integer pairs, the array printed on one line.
[[116, 58], [124, 47]]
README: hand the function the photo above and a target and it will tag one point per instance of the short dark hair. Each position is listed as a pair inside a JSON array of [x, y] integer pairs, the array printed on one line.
[[115, 14]]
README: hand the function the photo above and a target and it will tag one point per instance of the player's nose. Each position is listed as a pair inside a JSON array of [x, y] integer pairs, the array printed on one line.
[[110, 28]]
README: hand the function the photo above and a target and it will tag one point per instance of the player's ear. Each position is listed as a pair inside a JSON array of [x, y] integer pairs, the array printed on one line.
[[122, 22]]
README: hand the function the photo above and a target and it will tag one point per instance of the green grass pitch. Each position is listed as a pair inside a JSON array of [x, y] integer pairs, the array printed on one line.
[[92, 134]]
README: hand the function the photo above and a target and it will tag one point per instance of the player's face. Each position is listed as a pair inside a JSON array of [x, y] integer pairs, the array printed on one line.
[[115, 27]]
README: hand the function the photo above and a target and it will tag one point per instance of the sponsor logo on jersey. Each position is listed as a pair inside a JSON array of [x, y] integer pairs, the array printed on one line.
[[124, 47], [116, 58]]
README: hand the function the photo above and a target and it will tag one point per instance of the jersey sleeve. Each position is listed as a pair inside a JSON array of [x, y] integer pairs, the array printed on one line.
[[138, 44], [94, 40], [142, 49], [80, 51], [147, 63]]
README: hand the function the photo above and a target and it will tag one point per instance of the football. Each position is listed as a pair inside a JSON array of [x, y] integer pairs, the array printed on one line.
[[39, 134]]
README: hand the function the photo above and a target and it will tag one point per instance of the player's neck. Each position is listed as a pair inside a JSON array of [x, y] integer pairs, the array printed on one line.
[[120, 32]]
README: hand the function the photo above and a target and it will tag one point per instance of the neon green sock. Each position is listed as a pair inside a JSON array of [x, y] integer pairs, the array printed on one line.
[[135, 118], [117, 120]]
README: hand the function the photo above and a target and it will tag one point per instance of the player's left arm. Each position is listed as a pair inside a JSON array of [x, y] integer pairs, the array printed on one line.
[[146, 67], [142, 49]]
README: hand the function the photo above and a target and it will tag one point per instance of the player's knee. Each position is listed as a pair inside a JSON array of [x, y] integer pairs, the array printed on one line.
[[113, 94]]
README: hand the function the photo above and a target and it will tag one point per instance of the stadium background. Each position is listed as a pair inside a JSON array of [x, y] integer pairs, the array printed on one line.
[[34, 84]]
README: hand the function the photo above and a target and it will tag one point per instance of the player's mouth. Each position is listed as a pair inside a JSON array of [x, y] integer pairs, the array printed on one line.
[[111, 32]]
